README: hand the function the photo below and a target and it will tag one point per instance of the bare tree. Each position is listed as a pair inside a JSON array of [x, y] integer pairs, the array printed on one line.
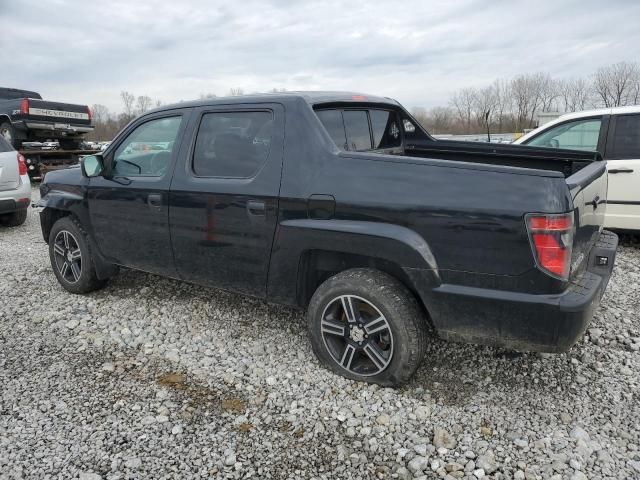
[[127, 100], [529, 95], [573, 94], [441, 119], [463, 101], [206, 96], [143, 104], [100, 113], [549, 92], [485, 106], [235, 92], [503, 101], [614, 85]]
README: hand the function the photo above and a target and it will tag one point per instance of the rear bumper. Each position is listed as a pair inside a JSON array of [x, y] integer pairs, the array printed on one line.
[[546, 323], [60, 128], [17, 199]]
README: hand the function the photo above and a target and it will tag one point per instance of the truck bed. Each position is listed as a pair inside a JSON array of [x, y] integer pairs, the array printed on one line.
[[566, 162]]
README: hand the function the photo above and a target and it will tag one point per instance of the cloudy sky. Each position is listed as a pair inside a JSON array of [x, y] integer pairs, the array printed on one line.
[[417, 51]]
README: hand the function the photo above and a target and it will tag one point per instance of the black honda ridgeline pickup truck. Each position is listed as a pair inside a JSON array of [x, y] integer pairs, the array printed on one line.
[[342, 204]]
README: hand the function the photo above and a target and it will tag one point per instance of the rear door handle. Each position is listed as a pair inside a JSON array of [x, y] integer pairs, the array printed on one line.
[[256, 207], [621, 170], [154, 200]]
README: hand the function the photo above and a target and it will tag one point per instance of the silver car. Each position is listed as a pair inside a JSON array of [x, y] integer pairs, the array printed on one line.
[[15, 188]]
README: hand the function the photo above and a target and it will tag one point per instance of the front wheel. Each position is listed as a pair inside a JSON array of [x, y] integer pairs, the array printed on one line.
[[365, 325], [71, 257]]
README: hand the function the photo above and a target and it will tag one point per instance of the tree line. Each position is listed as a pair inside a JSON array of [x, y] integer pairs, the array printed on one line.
[[511, 105], [507, 105]]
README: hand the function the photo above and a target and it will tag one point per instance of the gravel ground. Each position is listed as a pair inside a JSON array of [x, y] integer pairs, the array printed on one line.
[[152, 378]]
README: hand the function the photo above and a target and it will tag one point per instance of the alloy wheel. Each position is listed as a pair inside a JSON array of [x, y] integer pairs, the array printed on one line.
[[67, 255], [357, 335]]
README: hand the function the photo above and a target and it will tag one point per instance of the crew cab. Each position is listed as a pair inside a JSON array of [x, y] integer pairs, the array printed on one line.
[[343, 205], [26, 117], [615, 133]]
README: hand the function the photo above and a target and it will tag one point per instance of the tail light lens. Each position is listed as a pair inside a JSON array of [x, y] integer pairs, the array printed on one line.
[[551, 238], [22, 165], [24, 106]]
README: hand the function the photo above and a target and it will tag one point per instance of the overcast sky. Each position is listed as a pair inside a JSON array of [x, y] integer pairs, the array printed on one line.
[[417, 51]]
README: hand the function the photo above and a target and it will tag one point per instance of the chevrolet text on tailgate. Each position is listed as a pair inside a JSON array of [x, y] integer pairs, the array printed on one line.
[[342, 204]]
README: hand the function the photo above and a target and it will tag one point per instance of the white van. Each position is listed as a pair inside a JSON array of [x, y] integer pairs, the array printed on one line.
[[615, 133]]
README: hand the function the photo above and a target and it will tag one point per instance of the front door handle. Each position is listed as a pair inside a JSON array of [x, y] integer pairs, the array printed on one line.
[[256, 207], [154, 200], [621, 170]]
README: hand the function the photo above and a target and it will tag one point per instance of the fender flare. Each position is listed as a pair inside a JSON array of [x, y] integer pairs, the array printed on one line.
[[73, 204], [393, 243]]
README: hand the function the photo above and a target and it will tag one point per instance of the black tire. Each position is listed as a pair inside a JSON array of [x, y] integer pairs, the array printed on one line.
[[402, 341], [74, 280], [14, 219], [69, 144]]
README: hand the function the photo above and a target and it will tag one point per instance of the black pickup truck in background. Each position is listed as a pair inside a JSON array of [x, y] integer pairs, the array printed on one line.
[[343, 205], [26, 117]]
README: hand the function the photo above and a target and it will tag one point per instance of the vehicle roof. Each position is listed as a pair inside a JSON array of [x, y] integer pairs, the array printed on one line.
[[599, 111], [578, 115], [311, 97]]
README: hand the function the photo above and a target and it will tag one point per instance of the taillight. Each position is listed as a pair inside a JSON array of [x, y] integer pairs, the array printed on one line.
[[22, 165], [24, 106], [551, 238], [90, 113]]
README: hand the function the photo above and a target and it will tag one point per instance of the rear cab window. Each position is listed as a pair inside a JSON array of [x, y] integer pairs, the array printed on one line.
[[362, 129]]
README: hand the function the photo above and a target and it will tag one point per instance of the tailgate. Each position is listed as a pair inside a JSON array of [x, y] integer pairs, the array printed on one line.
[[588, 189], [9, 177], [64, 113]]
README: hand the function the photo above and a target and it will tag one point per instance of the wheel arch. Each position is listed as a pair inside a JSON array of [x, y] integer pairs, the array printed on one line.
[[61, 204], [307, 252]]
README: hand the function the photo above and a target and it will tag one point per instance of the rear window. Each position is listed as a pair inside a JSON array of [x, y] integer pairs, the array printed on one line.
[[332, 121], [5, 146], [386, 133], [362, 130], [626, 138], [356, 125], [232, 144]]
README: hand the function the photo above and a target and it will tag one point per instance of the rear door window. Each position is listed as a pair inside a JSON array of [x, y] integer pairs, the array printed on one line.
[[232, 144], [626, 138]]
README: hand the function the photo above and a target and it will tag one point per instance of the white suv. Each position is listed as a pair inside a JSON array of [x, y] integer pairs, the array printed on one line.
[[15, 188], [615, 133]]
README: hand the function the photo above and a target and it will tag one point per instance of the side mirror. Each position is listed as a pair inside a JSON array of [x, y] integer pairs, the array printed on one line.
[[92, 166]]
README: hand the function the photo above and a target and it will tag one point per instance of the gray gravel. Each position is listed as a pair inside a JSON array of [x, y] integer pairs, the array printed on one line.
[[152, 378]]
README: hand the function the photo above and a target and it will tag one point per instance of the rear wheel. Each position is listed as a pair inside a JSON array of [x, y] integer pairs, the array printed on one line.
[[14, 219], [71, 257], [365, 325]]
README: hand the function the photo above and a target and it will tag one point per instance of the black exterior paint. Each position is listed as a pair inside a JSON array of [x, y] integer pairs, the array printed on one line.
[[446, 219]]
